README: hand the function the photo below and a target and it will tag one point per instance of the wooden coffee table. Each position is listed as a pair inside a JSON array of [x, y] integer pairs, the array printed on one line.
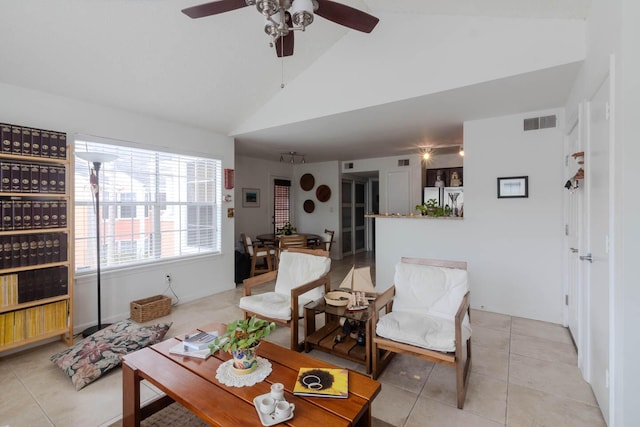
[[192, 383]]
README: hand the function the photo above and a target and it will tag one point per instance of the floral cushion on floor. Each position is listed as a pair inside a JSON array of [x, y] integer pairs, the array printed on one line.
[[88, 359]]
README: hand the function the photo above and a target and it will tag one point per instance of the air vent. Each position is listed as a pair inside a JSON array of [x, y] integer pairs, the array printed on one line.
[[348, 165], [403, 162], [536, 123]]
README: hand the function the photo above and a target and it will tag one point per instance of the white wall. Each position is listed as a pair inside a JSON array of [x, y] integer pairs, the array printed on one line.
[[257, 173], [626, 344], [512, 246], [192, 279], [326, 215]]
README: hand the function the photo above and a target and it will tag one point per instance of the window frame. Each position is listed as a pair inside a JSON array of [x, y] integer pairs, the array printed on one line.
[[154, 200]]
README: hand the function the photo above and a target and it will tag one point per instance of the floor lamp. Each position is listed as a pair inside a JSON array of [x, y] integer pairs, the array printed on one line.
[[97, 159]]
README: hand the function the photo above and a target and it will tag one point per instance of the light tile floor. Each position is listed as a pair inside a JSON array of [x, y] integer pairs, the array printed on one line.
[[524, 373]]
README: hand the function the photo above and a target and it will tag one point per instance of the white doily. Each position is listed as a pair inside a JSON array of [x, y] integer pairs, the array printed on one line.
[[226, 375]]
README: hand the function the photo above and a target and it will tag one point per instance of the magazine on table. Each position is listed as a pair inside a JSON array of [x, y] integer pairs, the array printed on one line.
[[322, 382]]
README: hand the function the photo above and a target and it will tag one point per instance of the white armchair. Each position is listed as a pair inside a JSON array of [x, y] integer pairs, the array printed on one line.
[[427, 316], [302, 277]]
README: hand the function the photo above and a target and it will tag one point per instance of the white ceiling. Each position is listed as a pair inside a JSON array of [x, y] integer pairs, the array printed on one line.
[[217, 72]]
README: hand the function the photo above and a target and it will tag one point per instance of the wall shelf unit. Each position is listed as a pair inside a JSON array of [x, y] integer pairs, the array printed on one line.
[[36, 238]]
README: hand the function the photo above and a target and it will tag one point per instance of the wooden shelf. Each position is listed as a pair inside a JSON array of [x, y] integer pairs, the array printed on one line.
[[34, 303], [60, 332], [51, 314], [34, 159]]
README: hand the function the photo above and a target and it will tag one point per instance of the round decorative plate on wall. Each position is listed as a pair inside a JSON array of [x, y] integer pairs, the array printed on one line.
[[309, 206], [323, 193], [307, 181]]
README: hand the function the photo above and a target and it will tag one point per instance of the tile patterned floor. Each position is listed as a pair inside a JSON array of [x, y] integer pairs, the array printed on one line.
[[524, 374]]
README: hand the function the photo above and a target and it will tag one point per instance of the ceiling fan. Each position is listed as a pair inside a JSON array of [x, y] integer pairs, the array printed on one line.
[[282, 17]]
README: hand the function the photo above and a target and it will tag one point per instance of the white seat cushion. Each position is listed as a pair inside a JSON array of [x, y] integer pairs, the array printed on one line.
[[272, 304], [430, 332], [295, 269]]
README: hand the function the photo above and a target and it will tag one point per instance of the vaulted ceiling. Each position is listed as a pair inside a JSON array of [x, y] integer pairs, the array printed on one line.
[[428, 66]]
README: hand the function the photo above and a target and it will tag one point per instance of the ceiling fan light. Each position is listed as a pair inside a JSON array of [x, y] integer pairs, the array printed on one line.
[[267, 7], [301, 13], [272, 25]]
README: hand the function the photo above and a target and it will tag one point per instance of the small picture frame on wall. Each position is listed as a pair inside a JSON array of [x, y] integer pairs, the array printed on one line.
[[250, 197], [513, 187]]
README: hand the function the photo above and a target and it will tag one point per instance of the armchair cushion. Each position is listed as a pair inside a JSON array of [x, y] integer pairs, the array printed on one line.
[[295, 269], [426, 289], [273, 305], [421, 330]]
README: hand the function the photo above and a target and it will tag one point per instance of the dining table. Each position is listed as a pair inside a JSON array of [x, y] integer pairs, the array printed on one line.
[[272, 238]]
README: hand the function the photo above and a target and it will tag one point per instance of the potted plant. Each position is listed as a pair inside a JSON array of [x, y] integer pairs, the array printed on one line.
[[287, 229], [430, 206], [422, 208], [241, 339]]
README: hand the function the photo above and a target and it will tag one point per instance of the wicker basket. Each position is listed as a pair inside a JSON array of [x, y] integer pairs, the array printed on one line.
[[150, 308]]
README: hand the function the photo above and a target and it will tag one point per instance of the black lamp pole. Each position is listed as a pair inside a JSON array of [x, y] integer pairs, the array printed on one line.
[[93, 329], [97, 159]]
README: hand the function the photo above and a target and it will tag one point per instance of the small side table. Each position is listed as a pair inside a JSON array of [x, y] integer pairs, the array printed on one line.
[[324, 338]]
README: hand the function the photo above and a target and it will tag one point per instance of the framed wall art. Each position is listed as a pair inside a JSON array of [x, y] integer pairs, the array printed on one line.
[[513, 187], [250, 197]]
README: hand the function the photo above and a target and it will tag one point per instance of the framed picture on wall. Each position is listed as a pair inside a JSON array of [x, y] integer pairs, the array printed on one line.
[[250, 198], [512, 187]]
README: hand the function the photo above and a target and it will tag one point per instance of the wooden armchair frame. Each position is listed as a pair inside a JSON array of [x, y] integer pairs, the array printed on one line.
[[293, 323], [384, 349]]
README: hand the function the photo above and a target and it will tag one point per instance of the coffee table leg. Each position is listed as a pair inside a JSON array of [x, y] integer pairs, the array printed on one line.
[[365, 418], [130, 396]]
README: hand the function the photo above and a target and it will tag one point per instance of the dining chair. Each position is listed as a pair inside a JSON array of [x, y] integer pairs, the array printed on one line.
[[258, 252], [327, 242], [303, 275], [291, 241], [427, 316]]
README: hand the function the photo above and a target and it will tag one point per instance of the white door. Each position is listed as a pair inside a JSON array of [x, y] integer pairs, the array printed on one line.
[[599, 199], [574, 230]]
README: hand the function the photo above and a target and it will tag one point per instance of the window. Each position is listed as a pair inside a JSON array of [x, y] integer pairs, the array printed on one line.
[[154, 206], [281, 204], [127, 210]]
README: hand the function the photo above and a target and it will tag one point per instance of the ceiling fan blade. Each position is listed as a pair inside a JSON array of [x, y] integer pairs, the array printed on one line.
[[284, 45], [213, 8], [346, 15]]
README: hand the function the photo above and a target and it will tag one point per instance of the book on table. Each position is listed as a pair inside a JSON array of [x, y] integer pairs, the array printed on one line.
[[199, 340], [322, 382], [183, 350], [195, 345]]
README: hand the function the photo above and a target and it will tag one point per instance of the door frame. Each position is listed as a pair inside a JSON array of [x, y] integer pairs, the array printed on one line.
[[580, 298]]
